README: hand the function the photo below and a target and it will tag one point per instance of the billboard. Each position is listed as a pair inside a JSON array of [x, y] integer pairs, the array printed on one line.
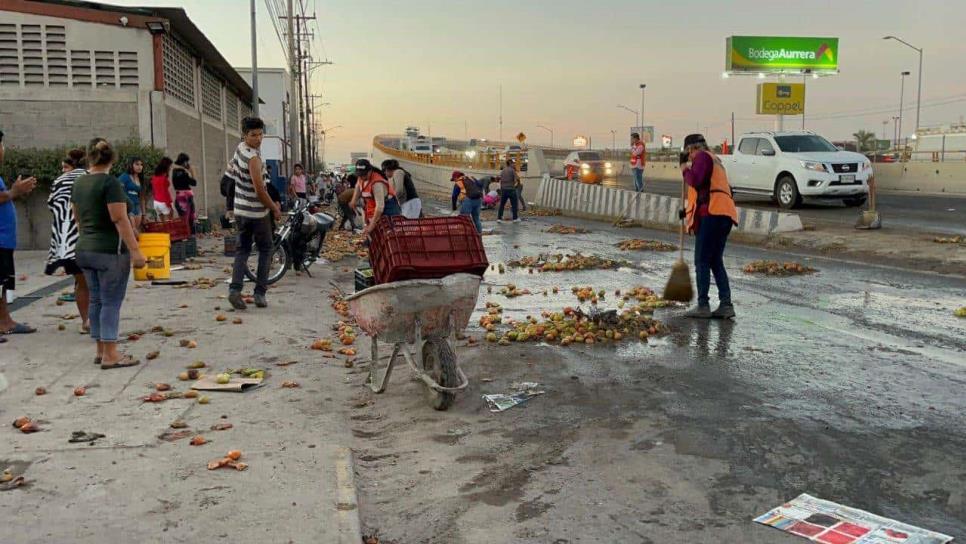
[[781, 54], [580, 141], [781, 99], [646, 132]]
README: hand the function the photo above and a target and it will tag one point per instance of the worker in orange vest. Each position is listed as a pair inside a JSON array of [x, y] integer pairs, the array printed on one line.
[[710, 214], [376, 193], [638, 157]]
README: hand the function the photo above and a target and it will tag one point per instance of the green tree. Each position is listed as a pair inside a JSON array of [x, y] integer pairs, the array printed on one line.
[[44, 164], [865, 140]]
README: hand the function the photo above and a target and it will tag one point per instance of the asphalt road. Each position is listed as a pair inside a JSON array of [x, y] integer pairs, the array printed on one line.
[[939, 214], [845, 384]]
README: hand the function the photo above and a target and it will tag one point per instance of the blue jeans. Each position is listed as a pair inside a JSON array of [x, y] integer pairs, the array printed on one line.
[[106, 276], [709, 249], [511, 196], [638, 179], [471, 207]]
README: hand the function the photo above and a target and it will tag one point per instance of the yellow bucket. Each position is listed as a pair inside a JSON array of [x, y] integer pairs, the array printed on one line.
[[157, 252]]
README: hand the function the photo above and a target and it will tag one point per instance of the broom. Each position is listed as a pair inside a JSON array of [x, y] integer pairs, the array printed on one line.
[[678, 286]]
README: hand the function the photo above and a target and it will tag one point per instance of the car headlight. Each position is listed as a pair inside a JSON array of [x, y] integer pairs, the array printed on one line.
[[866, 166], [608, 165], [814, 166], [585, 166]]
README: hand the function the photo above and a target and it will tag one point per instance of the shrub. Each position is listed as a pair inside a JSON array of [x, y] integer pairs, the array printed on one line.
[[45, 163]]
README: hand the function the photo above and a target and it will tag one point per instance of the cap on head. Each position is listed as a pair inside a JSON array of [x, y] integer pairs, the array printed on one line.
[[363, 166], [692, 139]]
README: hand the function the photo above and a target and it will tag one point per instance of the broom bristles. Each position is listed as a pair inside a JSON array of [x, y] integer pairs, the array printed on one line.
[[678, 286]]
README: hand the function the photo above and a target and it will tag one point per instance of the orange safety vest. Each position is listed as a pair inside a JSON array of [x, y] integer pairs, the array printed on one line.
[[366, 192], [722, 201], [642, 157]]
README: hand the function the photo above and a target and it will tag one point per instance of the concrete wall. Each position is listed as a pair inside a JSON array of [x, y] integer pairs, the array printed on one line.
[[922, 177], [184, 134], [33, 221], [597, 202], [50, 118]]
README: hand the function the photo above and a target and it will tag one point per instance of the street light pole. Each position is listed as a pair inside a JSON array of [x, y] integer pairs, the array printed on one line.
[[613, 139], [902, 87], [642, 108], [254, 65], [637, 115], [919, 91], [550, 130]]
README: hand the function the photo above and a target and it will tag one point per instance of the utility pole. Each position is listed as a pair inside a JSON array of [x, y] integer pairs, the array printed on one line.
[[732, 129], [254, 65], [293, 94], [902, 89], [300, 86]]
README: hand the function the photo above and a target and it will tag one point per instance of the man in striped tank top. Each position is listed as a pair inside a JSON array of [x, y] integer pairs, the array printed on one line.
[[252, 207]]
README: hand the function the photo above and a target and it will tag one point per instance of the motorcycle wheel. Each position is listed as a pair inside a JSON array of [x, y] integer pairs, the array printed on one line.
[[277, 266]]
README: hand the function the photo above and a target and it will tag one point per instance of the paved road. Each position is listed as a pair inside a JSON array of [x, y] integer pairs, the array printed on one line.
[[846, 384], [937, 214]]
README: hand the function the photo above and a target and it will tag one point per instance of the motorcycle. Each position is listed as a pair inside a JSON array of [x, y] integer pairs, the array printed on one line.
[[297, 242]]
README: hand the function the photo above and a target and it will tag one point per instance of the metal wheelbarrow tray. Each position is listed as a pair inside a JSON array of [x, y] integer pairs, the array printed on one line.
[[420, 314]]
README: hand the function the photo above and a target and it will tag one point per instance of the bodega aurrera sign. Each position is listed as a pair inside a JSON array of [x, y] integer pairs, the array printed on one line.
[[781, 54]]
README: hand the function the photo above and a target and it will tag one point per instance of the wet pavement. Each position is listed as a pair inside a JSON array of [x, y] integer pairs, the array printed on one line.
[[939, 214], [846, 384]]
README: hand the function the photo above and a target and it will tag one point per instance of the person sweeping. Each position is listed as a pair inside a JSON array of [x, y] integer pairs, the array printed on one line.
[[709, 214]]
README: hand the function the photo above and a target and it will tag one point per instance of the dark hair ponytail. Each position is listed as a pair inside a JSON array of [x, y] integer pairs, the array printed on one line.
[[99, 152], [75, 158]]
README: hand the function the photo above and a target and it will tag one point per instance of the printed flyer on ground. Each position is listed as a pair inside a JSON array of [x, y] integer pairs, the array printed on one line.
[[831, 523]]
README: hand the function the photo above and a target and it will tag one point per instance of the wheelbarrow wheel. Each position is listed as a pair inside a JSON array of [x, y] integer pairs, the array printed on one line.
[[439, 362]]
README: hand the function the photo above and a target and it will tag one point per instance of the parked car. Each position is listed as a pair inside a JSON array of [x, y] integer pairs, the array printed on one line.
[[587, 167], [790, 166]]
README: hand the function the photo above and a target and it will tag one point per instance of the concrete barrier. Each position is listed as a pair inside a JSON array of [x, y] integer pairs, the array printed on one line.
[[595, 201]]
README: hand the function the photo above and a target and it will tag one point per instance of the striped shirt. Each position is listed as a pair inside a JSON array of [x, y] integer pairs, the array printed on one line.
[[246, 202]]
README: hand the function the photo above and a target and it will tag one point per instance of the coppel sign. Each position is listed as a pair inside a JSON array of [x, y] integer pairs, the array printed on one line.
[[781, 99], [781, 54]]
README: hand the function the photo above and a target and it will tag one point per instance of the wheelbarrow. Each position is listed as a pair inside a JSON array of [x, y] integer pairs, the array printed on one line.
[[419, 318]]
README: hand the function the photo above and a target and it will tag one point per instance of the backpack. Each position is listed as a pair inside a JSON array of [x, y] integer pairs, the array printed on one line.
[[409, 186], [227, 185], [472, 188]]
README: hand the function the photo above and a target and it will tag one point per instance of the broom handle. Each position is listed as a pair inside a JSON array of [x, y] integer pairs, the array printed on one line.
[[684, 186]]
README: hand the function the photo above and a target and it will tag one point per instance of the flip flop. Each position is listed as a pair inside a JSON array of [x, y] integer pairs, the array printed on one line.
[[67, 298], [21, 328], [125, 361]]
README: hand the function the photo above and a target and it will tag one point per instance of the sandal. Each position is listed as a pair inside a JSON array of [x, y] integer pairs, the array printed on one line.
[[125, 361], [21, 328]]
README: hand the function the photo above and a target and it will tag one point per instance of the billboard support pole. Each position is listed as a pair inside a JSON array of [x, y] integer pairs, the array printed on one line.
[[780, 118]]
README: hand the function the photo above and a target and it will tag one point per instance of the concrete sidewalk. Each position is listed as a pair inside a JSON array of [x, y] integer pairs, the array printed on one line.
[[134, 486]]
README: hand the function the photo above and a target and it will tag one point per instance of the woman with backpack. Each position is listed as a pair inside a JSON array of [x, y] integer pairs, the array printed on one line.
[[402, 181], [469, 193]]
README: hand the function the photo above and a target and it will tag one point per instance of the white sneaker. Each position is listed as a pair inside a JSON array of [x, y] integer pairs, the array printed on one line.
[[516, 220], [499, 221]]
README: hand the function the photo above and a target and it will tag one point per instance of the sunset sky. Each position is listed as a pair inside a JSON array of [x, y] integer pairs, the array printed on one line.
[[567, 64]]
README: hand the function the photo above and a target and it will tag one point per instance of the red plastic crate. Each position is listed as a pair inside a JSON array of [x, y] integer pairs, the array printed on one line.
[[431, 247], [177, 229]]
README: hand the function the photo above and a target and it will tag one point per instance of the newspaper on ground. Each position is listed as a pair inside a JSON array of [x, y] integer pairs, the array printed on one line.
[[522, 392], [832, 523]]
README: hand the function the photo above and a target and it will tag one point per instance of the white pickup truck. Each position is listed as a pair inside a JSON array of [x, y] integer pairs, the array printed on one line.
[[790, 166]]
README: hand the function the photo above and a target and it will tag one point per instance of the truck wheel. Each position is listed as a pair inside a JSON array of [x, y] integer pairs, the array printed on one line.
[[439, 362], [854, 202], [786, 192]]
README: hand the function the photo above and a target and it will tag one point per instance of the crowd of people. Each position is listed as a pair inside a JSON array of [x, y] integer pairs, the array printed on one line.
[[96, 218]]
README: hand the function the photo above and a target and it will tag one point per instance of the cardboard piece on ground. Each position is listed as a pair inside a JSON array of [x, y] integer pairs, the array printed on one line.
[[235, 385]]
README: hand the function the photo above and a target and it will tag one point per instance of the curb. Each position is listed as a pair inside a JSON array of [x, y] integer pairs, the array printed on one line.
[[574, 198], [349, 528]]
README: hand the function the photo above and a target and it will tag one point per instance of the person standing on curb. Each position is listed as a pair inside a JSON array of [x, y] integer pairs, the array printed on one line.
[[106, 249], [8, 243], [252, 206], [508, 182], [710, 214], [63, 235], [638, 157]]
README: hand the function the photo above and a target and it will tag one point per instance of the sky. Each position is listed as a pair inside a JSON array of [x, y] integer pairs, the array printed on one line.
[[568, 64]]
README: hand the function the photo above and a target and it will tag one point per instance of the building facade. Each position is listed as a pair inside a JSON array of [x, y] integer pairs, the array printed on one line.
[[274, 97], [71, 70]]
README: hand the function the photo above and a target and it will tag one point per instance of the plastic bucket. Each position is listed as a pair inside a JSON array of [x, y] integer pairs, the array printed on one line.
[[157, 253]]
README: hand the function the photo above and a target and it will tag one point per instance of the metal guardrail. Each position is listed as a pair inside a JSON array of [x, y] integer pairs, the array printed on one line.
[[477, 160]]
